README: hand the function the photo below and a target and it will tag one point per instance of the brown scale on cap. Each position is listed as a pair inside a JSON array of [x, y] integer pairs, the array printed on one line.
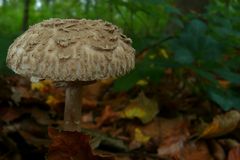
[[71, 50]]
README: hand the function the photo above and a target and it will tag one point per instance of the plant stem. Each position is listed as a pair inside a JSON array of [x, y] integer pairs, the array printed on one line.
[[73, 103]]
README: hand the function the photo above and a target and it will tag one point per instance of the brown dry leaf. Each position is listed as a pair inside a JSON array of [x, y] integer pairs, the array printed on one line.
[[105, 155], [9, 149], [107, 115], [117, 100], [69, 146], [228, 143], [122, 158], [87, 117], [5, 91], [234, 153], [195, 151], [224, 83], [174, 133], [32, 132], [93, 91], [41, 116], [142, 108], [9, 113], [20, 92], [32, 139], [217, 150], [221, 125], [20, 88], [168, 135], [89, 103]]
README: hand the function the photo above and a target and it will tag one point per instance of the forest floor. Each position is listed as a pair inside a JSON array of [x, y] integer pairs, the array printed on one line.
[[164, 122]]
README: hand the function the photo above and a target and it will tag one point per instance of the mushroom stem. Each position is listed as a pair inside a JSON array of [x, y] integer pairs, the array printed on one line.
[[73, 103]]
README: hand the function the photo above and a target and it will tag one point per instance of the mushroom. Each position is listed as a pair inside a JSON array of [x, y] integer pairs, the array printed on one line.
[[72, 53]]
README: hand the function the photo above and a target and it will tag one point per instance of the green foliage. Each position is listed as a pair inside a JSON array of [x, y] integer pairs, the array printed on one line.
[[204, 44], [227, 99], [207, 44], [5, 41]]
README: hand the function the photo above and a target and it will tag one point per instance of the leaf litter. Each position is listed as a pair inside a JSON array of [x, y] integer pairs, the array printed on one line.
[[116, 126]]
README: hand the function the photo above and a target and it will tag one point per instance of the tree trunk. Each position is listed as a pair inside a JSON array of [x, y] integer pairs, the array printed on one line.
[[47, 2], [192, 5], [110, 8], [25, 15], [4, 2], [87, 5]]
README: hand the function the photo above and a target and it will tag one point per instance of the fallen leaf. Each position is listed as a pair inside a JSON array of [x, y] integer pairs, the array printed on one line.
[[9, 114], [142, 108], [139, 139], [34, 140], [221, 125], [107, 116], [89, 103], [163, 53], [32, 132], [93, 92], [9, 149], [142, 82], [195, 151], [122, 158], [234, 153], [119, 100], [41, 116], [53, 101], [217, 150], [168, 136], [42, 86], [20, 92], [224, 83], [69, 146], [228, 143], [5, 91], [104, 139], [173, 136], [87, 117], [47, 91], [168, 71], [109, 155]]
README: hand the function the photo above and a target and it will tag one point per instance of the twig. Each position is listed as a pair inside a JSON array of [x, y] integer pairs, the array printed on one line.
[[154, 45]]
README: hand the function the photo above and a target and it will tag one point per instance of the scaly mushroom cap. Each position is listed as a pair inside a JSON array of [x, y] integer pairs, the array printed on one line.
[[71, 50]]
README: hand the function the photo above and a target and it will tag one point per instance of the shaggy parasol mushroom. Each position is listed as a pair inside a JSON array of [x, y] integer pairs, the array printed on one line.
[[73, 52]]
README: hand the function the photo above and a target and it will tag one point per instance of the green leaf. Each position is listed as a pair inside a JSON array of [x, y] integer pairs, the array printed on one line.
[[205, 74], [5, 41], [172, 10], [155, 2], [126, 82], [229, 75], [233, 63], [183, 56], [225, 99], [188, 40], [197, 27], [149, 69]]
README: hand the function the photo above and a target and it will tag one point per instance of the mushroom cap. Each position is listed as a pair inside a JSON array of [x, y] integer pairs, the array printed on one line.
[[71, 50]]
